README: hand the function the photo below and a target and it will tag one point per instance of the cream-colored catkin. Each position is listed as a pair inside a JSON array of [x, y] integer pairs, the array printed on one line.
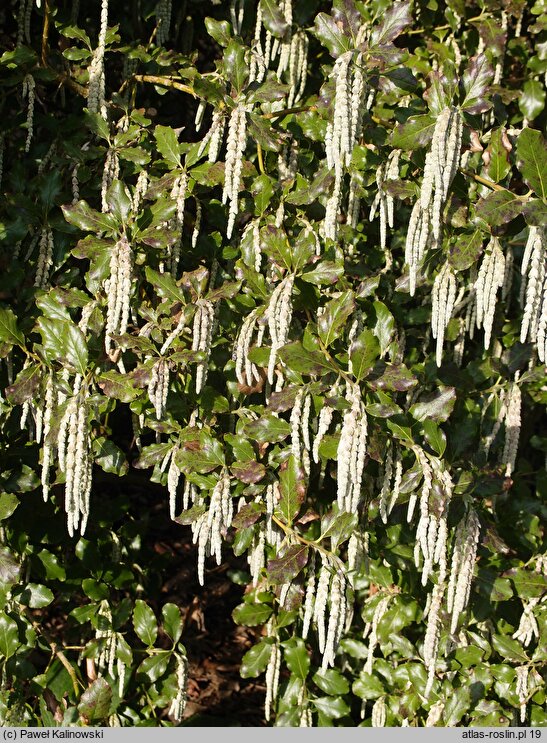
[[158, 387], [522, 689], [533, 270], [202, 337], [49, 408], [512, 427], [45, 258], [29, 92], [435, 714], [351, 451], [372, 629], [442, 306], [418, 237], [118, 291], [378, 714], [489, 280], [464, 552], [96, 87], [528, 625], [279, 317], [432, 636], [178, 703], [233, 169]]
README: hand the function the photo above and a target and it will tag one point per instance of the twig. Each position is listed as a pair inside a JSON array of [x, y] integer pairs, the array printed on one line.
[[308, 542], [164, 82], [485, 181], [288, 111], [45, 32]]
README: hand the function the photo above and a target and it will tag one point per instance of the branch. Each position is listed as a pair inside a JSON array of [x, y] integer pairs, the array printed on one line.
[[308, 542], [288, 111], [484, 181], [164, 82]]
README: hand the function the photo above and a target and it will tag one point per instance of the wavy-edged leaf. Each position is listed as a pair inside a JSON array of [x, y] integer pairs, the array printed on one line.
[[475, 82], [532, 160]]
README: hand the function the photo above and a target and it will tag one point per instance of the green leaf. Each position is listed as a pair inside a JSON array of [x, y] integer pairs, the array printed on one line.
[[363, 353], [499, 208], [109, 457], [10, 568], [164, 284], [95, 590], [331, 707], [220, 31], [9, 635], [144, 623], [249, 472], [268, 428], [435, 436], [256, 659], [457, 705], [296, 657], [324, 273], [331, 682], [392, 377], [119, 202], [83, 216], [416, 132], [8, 504], [528, 583], [498, 152], [300, 359], [532, 160], [475, 82], [292, 485], [252, 615], [394, 22], [331, 323], [9, 332], [466, 250], [338, 526], [262, 191], [154, 666], [436, 407], [235, 67], [384, 328], [273, 19], [368, 686], [64, 341], [331, 35], [532, 99], [35, 596], [172, 621], [286, 567], [52, 566], [168, 144], [509, 649]]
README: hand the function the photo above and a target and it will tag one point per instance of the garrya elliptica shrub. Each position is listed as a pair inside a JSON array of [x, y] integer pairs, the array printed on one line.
[[300, 248]]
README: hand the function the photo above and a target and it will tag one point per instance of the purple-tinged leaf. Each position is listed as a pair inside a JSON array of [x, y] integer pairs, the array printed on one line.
[[248, 515], [499, 208], [436, 407], [286, 567], [292, 482], [466, 250], [394, 22], [331, 35], [248, 472], [476, 80]]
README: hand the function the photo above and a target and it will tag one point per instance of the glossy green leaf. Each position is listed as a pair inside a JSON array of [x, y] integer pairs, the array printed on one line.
[[532, 160], [144, 623]]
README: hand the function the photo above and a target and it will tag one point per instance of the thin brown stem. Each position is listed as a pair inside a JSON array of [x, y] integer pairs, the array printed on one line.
[[288, 111], [485, 181], [45, 32], [164, 82]]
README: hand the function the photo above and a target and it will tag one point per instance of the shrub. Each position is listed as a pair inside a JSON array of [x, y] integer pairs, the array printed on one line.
[[289, 261]]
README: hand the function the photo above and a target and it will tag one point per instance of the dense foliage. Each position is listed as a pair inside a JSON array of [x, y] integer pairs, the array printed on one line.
[[287, 261]]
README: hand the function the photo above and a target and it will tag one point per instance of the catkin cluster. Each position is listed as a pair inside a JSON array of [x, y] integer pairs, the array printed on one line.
[[490, 278], [75, 458], [163, 16], [534, 291], [202, 337], [466, 541], [118, 291], [96, 88], [351, 452], [29, 92], [209, 529], [384, 202], [442, 306], [235, 150], [279, 316]]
